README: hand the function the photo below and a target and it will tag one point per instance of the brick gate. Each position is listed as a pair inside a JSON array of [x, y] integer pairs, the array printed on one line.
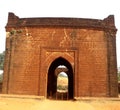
[[35, 47]]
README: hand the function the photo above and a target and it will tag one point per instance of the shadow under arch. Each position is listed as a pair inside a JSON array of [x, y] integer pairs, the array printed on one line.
[[52, 78]]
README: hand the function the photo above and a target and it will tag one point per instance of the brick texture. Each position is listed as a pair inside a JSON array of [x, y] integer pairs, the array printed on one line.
[[89, 45]]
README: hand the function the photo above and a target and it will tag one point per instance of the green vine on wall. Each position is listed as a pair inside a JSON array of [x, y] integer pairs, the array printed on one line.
[[14, 32]]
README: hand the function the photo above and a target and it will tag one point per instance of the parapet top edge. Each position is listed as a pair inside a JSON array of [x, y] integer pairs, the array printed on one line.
[[14, 22]]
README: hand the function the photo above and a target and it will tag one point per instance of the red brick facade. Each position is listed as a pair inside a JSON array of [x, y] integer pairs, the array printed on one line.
[[35, 47]]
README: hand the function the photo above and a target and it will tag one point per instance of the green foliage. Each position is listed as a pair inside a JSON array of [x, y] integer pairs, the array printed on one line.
[[62, 75], [1, 78], [61, 87], [2, 60], [118, 75], [14, 32]]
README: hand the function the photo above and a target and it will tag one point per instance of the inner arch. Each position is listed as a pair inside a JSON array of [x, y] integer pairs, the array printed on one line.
[[52, 77]]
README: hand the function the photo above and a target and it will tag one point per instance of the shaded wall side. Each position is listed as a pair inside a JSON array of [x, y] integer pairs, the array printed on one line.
[[112, 64], [6, 65]]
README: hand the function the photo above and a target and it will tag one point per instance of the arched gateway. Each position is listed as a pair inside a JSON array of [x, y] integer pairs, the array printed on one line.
[[38, 49], [52, 77]]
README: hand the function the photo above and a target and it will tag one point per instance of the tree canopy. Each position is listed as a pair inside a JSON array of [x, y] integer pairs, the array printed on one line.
[[118, 75], [2, 60]]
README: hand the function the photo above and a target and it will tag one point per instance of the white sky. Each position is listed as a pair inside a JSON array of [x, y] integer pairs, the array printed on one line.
[[97, 9], [1, 72]]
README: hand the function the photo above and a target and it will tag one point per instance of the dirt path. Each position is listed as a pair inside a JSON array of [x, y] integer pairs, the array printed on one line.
[[7, 103]]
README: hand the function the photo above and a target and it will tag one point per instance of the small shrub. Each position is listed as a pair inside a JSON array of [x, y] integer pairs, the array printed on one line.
[[1, 78]]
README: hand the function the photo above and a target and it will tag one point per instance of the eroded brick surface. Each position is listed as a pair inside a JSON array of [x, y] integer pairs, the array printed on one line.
[[89, 45]]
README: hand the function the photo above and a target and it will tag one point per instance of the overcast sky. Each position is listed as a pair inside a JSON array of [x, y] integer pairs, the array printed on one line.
[[96, 9]]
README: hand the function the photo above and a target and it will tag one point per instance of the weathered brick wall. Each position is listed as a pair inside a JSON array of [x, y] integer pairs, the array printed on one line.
[[0, 87], [112, 65], [119, 87], [93, 64], [30, 50]]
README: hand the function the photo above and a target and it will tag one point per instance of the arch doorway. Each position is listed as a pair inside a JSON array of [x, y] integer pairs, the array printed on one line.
[[58, 66]]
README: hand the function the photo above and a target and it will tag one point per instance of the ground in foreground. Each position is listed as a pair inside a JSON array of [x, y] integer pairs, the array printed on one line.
[[33, 103]]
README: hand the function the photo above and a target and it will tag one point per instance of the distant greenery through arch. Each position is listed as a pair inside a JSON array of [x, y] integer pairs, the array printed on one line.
[[62, 82]]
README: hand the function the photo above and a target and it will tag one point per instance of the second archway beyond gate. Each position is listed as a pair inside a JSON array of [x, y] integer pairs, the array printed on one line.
[[52, 79]]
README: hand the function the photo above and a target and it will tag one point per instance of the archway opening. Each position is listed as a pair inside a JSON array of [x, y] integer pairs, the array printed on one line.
[[60, 67], [62, 86], [62, 82]]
